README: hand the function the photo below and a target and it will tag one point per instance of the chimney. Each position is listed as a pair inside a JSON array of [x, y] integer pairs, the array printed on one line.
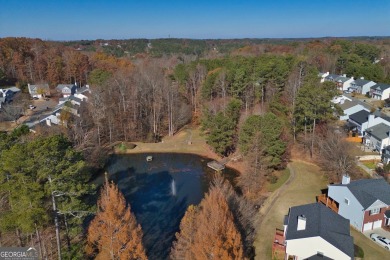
[[346, 179], [301, 222]]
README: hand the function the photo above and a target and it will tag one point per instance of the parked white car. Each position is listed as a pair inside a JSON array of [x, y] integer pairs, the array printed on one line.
[[385, 242]]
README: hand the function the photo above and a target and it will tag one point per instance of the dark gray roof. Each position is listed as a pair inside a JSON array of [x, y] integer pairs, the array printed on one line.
[[381, 86], [321, 221], [318, 257], [379, 131], [360, 82], [367, 191], [360, 117], [387, 213]]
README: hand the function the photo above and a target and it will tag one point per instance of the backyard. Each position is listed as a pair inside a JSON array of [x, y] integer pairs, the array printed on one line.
[[305, 183]]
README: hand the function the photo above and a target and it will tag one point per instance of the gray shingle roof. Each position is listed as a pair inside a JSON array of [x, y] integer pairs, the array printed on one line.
[[360, 117], [62, 86], [379, 131], [348, 104], [387, 213], [332, 76], [360, 82], [321, 221], [380, 86], [341, 79], [367, 191], [33, 89]]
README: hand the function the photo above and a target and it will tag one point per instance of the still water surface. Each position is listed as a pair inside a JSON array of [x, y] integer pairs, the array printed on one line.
[[160, 191]]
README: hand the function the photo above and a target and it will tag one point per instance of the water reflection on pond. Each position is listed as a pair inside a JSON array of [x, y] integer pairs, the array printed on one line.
[[160, 191]]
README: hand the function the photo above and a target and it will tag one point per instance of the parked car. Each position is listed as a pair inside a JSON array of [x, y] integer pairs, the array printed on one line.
[[32, 107], [381, 240]]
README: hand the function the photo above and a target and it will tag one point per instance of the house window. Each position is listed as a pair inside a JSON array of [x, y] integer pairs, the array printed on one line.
[[346, 201], [375, 211]]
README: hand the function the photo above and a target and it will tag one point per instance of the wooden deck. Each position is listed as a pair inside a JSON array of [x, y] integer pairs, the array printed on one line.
[[218, 166], [278, 246], [330, 203]]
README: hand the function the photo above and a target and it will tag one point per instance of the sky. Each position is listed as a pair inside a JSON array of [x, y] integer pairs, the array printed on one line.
[[199, 19]]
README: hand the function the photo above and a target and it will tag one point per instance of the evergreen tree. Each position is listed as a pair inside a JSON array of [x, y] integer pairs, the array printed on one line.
[[114, 232], [209, 231]]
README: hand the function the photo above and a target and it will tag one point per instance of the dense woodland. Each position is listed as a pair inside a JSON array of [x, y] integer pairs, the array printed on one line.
[[252, 98]]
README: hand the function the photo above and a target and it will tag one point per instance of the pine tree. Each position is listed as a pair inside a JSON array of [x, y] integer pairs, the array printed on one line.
[[208, 231], [114, 232], [181, 248]]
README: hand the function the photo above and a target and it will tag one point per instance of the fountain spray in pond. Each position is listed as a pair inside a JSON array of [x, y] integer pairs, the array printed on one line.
[[173, 187]]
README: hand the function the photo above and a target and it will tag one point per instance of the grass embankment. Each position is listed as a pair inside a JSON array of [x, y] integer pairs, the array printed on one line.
[[306, 182]]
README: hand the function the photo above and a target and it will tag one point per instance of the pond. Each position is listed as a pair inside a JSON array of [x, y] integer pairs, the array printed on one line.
[[159, 192]]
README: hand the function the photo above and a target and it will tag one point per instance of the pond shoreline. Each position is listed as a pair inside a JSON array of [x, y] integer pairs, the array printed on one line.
[[187, 141]]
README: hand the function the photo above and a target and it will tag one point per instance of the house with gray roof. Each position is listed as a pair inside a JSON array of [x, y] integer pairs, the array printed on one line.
[[351, 107], [7, 94], [331, 77], [380, 91], [358, 121], [366, 202], [83, 93], [314, 230], [377, 137], [66, 89], [361, 86], [343, 82], [38, 90]]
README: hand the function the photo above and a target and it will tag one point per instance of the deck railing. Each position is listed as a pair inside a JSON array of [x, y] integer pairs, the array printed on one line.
[[329, 202], [278, 245]]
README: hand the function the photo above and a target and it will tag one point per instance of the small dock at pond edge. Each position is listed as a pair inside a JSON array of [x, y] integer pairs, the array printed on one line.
[[218, 165]]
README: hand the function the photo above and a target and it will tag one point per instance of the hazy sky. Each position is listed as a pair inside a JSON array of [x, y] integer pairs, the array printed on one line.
[[120, 19]]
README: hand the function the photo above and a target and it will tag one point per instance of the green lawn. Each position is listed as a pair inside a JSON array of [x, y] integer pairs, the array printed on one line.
[[282, 178], [370, 164]]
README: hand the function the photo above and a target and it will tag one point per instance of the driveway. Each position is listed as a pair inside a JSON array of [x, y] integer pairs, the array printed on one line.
[[379, 231]]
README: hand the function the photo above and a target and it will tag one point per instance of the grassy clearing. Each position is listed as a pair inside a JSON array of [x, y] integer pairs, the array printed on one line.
[[282, 178], [303, 188], [370, 164]]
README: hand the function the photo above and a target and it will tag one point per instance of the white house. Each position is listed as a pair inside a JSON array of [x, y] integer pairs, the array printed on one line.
[[362, 120], [377, 137], [351, 107], [83, 92], [380, 91], [322, 76], [38, 90], [66, 89], [343, 82], [313, 230], [361, 86], [366, 202]]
